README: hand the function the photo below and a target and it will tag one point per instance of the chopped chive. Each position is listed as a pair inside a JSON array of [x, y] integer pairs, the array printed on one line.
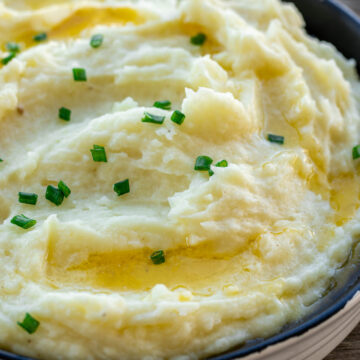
[[28, 198], [79, 74], [178, 117], [12, 47], [122, 187], [29, 324], [98, 153], [164, 104], [276, 139], [64, 188], [203, 163], [222, 163], [40, 37], [64, 114], [158, 257], [1, 160], [54, 195], [356, 152], [150, 118], [8, 58], [211, 172], [96, 40], [198, 39], [23, 221]]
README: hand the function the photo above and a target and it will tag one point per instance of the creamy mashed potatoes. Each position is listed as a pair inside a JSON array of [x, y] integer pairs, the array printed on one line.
[[246, 250]]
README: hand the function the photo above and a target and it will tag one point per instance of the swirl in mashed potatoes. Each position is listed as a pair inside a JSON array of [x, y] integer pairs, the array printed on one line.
[[247, 247]]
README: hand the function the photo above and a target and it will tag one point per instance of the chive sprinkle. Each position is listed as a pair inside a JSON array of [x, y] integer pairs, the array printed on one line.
[[40, 37], [29, 324], [163, 104], [198, 39], [154, 119], [54, 195], [23, 221], [79, 74], [8, 58], [222, 163], [356, 152], [276, 139], [28, 198], [178, 117], [98, 153], [12, 47], [64, 188], [96, 40], [158, 257], [1, 160], [122, 187], [203, 163], [64, 114]]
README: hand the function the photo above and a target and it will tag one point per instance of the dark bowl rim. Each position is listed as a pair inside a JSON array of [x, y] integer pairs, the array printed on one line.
[[347, 13], [297, 331]]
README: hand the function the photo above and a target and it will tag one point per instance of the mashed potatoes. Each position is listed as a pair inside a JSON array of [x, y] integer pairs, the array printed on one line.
[[248, 246]]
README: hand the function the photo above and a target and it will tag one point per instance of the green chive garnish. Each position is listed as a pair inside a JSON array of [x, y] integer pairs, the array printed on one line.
[[29, 324], [356, 152], [64, 114], [1, 160], [96, 40], [12, 47], [222, 163], [64, 188], [54, 195], [40, 37], [79, 74], [122, 187], [155, 119], [98, 153], [198, 39], [28, 198], [276, 139], [178, 117], [164, 104], [23, 221], [203, 163], [158, 257], [8, 58]]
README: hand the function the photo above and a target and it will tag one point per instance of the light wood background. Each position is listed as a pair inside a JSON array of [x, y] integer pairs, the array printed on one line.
[[354, 4], [349, 349]]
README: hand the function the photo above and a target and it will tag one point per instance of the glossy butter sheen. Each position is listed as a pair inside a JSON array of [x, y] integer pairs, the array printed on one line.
[[247, 250]]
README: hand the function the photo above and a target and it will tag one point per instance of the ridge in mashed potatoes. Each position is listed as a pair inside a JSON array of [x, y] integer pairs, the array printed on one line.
[[247, 249]]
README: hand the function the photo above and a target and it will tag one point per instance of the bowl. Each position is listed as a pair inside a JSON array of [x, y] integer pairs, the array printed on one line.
[[338, 313]]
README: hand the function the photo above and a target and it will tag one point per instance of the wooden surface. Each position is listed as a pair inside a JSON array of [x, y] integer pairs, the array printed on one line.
[[349, 349], [353, 4]]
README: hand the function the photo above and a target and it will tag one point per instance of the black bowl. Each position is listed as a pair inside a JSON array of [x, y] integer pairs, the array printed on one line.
[[333, 22]]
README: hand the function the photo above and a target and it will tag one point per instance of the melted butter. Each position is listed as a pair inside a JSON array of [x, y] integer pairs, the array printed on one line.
[[344, 197], [193, 268], [78, 21], [88, 17], [319, 184]]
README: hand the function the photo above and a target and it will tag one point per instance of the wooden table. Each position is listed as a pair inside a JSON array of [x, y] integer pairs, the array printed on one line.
[[353, 4], [349, 349]]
